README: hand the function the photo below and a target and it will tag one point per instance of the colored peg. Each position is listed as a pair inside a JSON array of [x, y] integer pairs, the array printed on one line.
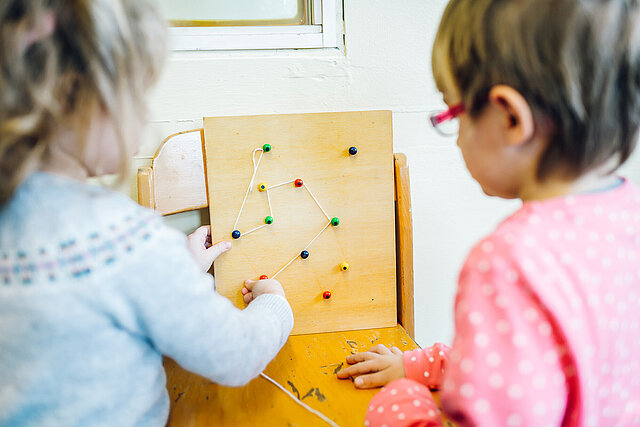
[[335, 221], [326, 294], [353, 151], [344, 266], [266, 148], [235, 234], [264, 277], [298, 182], [268, 220], [262, 187], [304, 254]]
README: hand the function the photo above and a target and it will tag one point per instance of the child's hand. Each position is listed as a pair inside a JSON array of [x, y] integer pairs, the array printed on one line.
[[374, 368], [201, 248], [253, 290]]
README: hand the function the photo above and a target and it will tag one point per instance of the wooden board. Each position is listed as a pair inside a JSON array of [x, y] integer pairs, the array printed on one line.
[[357, 189], [306, 366]]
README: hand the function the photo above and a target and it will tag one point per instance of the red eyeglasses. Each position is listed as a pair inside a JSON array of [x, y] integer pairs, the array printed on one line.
[[446, 122]]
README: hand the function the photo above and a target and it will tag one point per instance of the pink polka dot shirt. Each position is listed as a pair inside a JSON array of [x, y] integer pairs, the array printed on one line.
[[547, 321]]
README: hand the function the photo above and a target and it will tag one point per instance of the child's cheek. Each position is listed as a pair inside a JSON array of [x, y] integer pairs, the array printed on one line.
[[464, 132]]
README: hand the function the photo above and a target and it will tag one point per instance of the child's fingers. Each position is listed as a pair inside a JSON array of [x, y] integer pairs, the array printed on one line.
[[201, 233], [218, 249], [396, 350], [248, 297], [380, 349], [359, 357], [245, 291], [200, 238], [359, 369], [377, 379], [249, 284]]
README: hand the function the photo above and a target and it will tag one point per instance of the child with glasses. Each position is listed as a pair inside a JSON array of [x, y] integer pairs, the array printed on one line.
[[547, 96], [94, 289]]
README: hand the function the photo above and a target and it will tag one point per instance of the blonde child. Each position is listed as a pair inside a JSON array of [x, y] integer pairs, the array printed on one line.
[[93, 288], [547, 94]]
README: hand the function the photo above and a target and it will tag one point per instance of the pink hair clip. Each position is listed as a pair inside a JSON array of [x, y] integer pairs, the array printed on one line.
[[42, 30]]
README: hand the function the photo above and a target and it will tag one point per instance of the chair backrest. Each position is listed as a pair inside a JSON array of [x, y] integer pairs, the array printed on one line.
[[175, 182]]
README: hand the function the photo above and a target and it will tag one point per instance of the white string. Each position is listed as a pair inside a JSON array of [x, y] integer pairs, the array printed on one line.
[[318, 235], [249, 189], [306, 247], [286, 265], [253, 177], [255, 166], [281, 184], [269, 200], [255, 229], [301, 403], [316, 200]]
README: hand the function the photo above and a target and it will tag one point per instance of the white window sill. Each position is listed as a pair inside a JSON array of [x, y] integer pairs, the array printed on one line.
[[235, 38]]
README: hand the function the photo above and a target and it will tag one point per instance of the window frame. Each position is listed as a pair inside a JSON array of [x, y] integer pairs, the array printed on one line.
[[322, 33]]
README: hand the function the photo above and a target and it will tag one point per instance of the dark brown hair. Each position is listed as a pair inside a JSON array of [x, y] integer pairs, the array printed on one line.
[[576, 62], [60, 60]]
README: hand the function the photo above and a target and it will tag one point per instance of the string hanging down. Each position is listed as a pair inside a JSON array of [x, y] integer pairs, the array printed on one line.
[[299, 402]]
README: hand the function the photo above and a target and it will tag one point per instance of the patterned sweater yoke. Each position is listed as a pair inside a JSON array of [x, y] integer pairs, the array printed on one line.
[[94, 289]]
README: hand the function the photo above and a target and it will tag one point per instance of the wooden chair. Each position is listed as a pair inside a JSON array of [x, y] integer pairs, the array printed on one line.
[[307, 364]]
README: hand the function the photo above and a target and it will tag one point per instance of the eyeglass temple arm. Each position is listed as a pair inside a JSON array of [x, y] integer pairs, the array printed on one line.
[[446, 115]]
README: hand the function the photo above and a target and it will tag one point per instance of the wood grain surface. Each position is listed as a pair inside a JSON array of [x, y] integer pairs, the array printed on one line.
[[357, 189], [306, 366]]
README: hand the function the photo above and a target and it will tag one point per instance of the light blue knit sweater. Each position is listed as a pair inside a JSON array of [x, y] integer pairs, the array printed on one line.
[[93, 290]]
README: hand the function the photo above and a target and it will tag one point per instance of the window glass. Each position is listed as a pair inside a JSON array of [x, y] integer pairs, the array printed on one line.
[[201, 13]]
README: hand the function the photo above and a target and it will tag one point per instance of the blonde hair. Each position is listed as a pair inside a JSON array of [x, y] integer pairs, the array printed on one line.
[[60, 61], [576, 62]]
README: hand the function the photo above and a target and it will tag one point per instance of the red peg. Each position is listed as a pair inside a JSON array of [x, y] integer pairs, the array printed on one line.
[[298, 182], [326, 294], [264, 277]]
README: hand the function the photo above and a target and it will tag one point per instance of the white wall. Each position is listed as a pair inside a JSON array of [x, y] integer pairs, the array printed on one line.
[[386, 65]]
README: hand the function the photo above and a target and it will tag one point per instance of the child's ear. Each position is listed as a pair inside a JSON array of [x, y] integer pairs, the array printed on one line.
[[518, 117]]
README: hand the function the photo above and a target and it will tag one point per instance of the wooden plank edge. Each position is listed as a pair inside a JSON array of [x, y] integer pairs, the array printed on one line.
[[404, 245], [146, 195]]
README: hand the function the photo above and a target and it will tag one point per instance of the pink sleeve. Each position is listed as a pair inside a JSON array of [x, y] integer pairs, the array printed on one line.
[[403, 403], [427, 366], [506, 359]]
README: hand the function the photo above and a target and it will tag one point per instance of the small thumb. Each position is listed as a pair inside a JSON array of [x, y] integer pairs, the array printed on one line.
[[249, 284], [200, 234], [218, 249]]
